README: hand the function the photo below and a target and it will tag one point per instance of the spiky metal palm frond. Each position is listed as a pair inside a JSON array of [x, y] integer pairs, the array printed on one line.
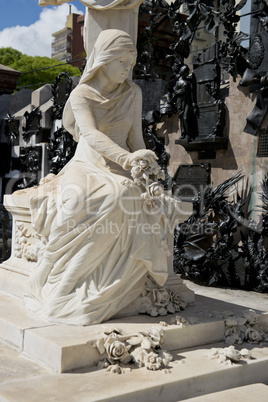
[[212, 197], [264, 195]]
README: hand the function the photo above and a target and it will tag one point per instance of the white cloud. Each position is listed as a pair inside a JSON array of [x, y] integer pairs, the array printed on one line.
[[36, 39]]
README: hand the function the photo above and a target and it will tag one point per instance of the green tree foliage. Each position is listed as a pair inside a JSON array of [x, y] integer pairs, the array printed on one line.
[[23, 63]]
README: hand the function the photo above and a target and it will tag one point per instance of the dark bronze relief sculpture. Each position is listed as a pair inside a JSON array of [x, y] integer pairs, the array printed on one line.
[[61, 149], [33, 120], [209, 107], [12, 126], [60, 91], [259, 20], [185, 99], [30, 165], [256, 77], [61, 145], [219, 244], [196, 99]]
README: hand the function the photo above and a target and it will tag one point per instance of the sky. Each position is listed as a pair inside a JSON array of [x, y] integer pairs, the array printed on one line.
[[27, 27]]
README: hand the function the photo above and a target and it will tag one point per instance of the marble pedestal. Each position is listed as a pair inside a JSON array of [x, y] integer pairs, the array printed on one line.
[[15, 271]]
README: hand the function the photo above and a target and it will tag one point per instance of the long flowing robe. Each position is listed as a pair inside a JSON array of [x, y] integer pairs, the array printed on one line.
[[99, 241]]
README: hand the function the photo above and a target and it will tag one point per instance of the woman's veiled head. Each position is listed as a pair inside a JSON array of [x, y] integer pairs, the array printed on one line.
[[110, 45]]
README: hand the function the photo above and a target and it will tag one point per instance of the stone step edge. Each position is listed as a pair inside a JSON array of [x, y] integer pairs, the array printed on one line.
[[33, 339], [198, 376], [12, 283], [40, 346], [250, 393]]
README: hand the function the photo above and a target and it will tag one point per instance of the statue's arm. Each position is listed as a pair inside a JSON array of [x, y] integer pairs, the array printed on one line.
[[87, 126], [135, 139]]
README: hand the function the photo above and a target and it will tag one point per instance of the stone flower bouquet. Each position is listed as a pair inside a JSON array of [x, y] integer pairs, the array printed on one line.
[[159, 301], [143, 349], [146, 176], [244, 328]]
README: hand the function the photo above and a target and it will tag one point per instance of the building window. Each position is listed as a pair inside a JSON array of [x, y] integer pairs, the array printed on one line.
[[262, 144]]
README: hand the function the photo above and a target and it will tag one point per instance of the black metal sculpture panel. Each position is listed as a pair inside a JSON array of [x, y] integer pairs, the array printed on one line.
[[184, 93], [30, 160], [33, 120], [209, 111], [60, 91], [220, 245], [12, 126], [211, 104], [60, 150], [230, 55], [256, 77], [259, 21]]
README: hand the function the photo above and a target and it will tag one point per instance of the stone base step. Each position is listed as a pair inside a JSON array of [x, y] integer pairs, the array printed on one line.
[[12, 283], [248, 393], [63, 348], [192, 373]]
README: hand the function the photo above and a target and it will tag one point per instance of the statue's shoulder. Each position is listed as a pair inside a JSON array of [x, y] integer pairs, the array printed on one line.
[[135, 88], [84, 91], [80, 89]]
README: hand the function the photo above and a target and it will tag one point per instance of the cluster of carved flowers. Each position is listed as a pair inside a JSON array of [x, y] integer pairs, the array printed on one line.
[[25, 246], [183, 322], [146, 176], [142, 349], [243, 328], [229, 355], [156, 300]]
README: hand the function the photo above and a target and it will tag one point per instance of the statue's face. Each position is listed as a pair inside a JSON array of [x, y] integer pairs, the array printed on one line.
[[117, 70]]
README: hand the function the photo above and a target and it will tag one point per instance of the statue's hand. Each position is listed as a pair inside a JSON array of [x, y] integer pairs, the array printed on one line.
[[142, 154]]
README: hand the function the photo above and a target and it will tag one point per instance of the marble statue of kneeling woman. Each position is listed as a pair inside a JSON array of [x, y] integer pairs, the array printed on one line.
[[98, 248]]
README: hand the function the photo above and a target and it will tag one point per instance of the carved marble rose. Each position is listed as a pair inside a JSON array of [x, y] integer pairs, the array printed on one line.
[[116, 351]]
